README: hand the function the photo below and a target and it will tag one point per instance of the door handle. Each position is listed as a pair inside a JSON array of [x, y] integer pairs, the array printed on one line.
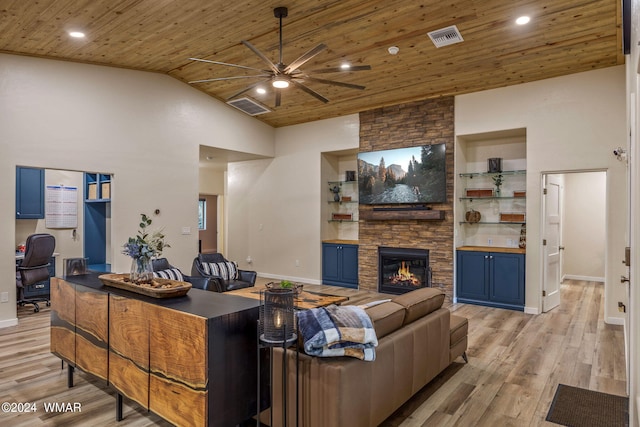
[[561, 248], [624, 279]]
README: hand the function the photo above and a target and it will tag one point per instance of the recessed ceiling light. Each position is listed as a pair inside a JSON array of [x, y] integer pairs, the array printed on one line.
[[261, 90], [76, 34], [345, 66], [523, 20], [393, 50]]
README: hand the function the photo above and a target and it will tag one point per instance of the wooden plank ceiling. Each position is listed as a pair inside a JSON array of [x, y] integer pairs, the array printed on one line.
[[563, 37]]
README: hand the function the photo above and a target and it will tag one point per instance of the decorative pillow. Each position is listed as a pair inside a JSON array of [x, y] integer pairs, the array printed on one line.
[[227, 270], [170, 273]]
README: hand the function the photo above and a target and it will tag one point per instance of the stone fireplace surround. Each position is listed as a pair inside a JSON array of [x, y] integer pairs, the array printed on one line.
[[409, 125]]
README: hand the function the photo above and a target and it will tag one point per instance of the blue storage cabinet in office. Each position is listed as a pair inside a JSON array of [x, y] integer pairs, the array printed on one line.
[[97, 198], [29, 193], [340, 264], [494, 279]]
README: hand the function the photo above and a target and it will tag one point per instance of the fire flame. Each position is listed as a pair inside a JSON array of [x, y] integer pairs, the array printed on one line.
[[405, 275]]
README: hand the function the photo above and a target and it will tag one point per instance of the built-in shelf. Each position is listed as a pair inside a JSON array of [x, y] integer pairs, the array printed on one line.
[[493, 222], [494, 198], [474, 174]]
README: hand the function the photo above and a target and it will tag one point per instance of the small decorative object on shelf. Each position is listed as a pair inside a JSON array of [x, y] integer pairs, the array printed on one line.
[[519, 193], [512, 217], [346, 198], [473, 216], [336, 216], [142, 248], [479, 192], [497, 181], [350, 175], [494, 165], [523, 237], [335, 189]]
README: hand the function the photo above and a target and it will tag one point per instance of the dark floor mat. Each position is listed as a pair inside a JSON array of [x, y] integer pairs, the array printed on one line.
[[578, 407]]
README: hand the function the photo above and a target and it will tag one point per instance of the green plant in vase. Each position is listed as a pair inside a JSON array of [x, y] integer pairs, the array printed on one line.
[[497, 181], [142, 249]]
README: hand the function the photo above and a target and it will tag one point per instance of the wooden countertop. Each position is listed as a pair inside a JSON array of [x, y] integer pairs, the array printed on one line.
[[492, 249], [341, 242]]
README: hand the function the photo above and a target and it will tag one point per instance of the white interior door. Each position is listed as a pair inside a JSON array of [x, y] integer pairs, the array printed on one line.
[[551, 233]]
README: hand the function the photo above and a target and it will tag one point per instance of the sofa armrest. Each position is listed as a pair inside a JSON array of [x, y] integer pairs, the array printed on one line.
[[205, 283], [247, 276]]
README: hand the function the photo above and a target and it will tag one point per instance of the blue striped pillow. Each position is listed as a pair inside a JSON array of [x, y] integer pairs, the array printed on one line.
[[171, 273], [227, 270]]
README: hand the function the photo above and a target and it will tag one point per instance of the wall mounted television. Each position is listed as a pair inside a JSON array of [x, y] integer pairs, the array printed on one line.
[[403, 175]]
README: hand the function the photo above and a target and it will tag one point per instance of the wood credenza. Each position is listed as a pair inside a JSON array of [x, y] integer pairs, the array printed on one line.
[[190, 360]]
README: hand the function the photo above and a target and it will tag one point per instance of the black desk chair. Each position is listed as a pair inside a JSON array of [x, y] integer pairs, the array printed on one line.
[[32, 274]]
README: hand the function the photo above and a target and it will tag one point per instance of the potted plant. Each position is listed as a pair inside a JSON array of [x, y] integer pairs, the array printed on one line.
[[142, 249]]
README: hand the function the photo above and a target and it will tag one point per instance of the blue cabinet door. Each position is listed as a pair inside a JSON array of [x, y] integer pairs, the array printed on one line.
[[349, 265], [472, 275], [507, 278], [340, 265], [330, 264], [29, 193]]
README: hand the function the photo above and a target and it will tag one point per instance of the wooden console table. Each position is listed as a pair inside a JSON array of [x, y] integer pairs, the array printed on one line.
[[190, 360]]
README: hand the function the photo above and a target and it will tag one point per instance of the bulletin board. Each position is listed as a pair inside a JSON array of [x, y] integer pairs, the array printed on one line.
[[61, 207]]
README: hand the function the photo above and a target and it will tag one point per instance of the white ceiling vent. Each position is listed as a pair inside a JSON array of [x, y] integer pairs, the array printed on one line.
[[248, 106], [446, 36]]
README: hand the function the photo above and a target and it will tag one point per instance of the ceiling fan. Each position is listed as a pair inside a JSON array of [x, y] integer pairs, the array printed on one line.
[[282, 75]]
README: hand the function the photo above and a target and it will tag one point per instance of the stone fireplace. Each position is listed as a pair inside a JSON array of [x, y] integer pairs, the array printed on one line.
[[409, 125], [401, 270]]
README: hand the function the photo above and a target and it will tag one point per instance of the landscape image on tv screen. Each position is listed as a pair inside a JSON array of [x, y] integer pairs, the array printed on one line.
[[403, 175]]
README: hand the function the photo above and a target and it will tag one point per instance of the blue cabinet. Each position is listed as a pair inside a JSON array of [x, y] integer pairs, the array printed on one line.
[[340, 264], [97, 210], [493, 279], [29, 193]]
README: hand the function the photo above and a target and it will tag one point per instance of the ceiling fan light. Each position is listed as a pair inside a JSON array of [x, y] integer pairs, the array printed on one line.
[[345, 66], [523, 20], [261, 90], [280, 83]]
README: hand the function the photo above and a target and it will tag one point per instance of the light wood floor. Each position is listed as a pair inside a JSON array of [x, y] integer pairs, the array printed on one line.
[[515, 363]]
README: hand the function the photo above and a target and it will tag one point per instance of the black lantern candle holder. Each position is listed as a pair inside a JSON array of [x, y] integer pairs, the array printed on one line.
[[277, 328], [277, 317]]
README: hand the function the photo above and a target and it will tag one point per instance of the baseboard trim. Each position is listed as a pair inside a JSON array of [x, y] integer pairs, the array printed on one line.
[[531, 310], [8, 323], [291, 278], [585, 278], [615, 321]]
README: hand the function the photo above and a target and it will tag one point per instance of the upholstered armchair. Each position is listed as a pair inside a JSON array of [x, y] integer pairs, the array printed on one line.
[[162, 269], [224, 272]]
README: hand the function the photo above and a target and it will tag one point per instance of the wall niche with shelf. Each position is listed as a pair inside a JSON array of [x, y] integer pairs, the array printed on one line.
[[488, 214], [339, 204]]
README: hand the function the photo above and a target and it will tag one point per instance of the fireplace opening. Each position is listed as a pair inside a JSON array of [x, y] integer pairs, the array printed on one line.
[[402, 270]]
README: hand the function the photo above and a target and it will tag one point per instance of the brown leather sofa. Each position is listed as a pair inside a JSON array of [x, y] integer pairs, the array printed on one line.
[[417, 339]]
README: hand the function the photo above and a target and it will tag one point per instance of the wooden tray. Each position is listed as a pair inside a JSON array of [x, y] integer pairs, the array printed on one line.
[[177, 288]]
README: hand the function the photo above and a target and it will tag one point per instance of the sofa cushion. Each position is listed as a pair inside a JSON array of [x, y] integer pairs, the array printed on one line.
[[170, 273], [420, 302], [227, 270], [386, 317]]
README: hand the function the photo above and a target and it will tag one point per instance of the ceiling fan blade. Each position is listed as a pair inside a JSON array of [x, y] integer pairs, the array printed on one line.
[[340, 69], [333, 82], [247, 89], [225, 64], [304, 58], [229, 78], [278, 97], [261, 56], [310, 91]]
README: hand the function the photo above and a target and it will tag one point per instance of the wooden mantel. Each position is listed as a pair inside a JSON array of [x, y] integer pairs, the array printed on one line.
[[402, 214]]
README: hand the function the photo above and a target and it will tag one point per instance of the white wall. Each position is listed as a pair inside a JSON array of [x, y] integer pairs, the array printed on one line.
[[145, 128], [584, 225], [572, 122], [274, 206]]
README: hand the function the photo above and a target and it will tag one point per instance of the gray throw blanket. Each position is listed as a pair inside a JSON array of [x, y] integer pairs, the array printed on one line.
[[338, 331]]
